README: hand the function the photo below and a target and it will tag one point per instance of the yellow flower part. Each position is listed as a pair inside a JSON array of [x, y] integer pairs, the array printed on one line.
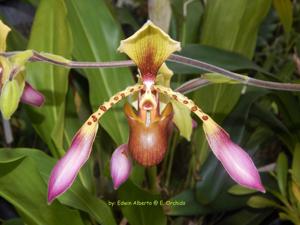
[[10, 95], [6, 68], [4, 30], [149, 48], [182, 115], [164, 76]]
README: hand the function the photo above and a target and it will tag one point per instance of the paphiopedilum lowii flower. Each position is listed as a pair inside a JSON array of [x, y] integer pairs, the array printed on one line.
[[149, 48], [13, 87]]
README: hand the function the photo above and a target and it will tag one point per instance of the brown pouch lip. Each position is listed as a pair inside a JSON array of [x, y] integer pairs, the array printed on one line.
[[148, 145]]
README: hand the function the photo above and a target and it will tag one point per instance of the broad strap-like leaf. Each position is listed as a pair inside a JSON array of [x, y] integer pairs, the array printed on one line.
[[50, 33], [97, 36]]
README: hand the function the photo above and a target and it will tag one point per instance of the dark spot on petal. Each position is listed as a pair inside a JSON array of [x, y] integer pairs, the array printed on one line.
[[205, 117], [116, 98], [89, 123], [131, 90], [174, 96], [185, 102], [122, 95], [103, 108], [94, 118], [194, 108]]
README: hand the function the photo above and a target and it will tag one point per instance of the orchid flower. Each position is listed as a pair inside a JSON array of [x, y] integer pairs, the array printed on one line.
[[13, 87], [149, 48]]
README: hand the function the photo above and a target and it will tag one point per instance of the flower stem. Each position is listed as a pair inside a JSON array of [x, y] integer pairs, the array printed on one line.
[[151, 174], [171, 157], [60, 61], [192, 85], [234, 76]]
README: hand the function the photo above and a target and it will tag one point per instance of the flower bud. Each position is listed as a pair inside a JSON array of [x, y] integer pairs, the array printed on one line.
[[10, 95], [31, 96], [120, 165]]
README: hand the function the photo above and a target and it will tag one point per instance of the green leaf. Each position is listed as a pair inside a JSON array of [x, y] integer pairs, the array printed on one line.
[[284, 9], [187, 18], [296, 164], [50, 33], [34, 2], [223, 203], [13, 222], [219, 57], [245, 217], [284, 216], [192, 207], [77, 196], [261, 202], [282, 172], [96, 37], [22, 185], [238, 32], [288, 115], [16, 41], [296, 191], [137, 214], [240, 190]]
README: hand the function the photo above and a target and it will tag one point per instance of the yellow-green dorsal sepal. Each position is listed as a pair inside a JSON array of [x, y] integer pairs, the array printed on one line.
[[4, 30], [149, 48]]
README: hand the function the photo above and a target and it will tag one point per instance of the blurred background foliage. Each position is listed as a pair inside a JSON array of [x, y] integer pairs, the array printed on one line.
[[258, 38]]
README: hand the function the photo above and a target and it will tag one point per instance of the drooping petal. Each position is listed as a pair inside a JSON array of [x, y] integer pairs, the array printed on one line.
[[31, 96], [4, 30], [120, 165], [235, 160], [149, 47], [67, 168]]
